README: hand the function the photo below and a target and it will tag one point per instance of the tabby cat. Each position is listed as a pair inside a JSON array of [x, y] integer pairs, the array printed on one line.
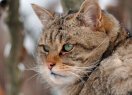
[[85, 52]]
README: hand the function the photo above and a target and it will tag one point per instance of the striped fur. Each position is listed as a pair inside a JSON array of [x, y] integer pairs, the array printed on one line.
[[100, 62]]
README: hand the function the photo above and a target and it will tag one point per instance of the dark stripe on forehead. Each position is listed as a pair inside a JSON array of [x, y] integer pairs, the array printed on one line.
[[51, 33], [45, 37], [55, 36], [64, 36], [49, 36], [67, 39], [61, 35]]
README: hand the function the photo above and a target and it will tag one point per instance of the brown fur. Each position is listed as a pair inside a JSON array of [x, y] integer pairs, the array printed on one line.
[[100, 62]]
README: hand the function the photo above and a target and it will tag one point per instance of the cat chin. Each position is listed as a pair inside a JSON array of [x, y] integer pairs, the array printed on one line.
[[55, 79], [60, 80]]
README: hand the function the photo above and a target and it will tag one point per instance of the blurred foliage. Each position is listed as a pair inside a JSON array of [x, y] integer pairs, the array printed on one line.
[[71, 4], [123, 12]]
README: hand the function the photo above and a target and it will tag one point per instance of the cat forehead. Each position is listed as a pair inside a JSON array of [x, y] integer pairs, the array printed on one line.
[[67, 34], [64, 28], [69, 29], [65, 20]]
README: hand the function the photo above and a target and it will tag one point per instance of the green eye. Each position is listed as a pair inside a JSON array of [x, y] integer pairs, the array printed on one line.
[[67, 47], [46, 48]]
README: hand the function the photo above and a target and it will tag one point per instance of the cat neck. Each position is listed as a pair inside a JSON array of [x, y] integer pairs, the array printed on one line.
[[77, 86], [117, 34], [122, 36], [71, 89]]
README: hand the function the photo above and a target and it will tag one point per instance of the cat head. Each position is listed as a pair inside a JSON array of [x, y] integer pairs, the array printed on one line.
[[72, 44]]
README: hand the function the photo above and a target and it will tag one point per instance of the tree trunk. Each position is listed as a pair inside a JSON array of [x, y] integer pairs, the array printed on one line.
[[15, 28]]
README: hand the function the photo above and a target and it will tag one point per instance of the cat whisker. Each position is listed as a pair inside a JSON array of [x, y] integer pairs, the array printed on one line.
[[31, 67], [35, 75], [102, 42], [95, 64], [44, 83], [84, 67], [47, 86], [85, 73], [78, 77], [35, 69], [82, 70], [89, 67]]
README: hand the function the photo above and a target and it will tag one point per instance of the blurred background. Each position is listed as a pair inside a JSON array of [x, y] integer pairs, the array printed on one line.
[[19, 31]]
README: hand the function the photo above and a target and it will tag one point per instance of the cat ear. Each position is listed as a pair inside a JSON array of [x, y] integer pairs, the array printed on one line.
[[90, 13], [43, 14]]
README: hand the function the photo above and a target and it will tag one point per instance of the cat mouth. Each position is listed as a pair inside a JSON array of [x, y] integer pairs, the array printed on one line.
[[57, 75]]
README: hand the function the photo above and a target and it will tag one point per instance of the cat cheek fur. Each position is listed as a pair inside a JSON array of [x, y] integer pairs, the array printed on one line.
[[56, 80], [59, 68]]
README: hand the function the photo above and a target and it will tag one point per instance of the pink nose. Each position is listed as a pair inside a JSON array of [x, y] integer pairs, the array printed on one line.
[[50, 64]]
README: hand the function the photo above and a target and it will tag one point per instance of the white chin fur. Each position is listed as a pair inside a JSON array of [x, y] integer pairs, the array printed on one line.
[[61, 80], [58, 80]]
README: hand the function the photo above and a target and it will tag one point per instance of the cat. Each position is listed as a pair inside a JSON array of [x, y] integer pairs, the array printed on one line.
[[85, 52]]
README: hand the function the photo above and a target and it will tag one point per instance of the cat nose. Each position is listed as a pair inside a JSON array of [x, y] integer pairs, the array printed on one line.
[[50, 64]]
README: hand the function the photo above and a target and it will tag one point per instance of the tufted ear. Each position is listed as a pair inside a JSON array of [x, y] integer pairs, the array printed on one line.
[[90, 13], [44, 15]]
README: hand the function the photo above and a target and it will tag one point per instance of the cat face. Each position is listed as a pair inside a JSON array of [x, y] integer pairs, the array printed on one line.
[[70, 45], [65, 53]]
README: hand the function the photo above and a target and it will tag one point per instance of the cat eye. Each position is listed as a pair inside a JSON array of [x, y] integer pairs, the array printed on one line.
[[67, 47], [46, 48]]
